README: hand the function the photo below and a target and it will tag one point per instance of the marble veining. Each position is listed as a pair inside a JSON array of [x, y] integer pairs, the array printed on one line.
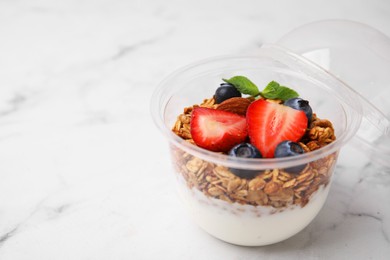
[[85, 174]]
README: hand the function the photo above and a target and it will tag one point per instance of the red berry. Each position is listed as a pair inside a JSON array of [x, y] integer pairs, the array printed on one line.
[[271, 123], [217, 130]]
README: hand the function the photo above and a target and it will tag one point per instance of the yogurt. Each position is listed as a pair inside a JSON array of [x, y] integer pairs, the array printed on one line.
[[249, 225]]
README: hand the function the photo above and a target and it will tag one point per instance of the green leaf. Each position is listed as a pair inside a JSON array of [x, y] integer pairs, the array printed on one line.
[[244, 85], [274, 91]]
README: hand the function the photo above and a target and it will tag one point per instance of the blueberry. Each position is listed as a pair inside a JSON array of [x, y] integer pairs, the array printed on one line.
[[245, 150], [300, 104], [287, 149], [226, 91]]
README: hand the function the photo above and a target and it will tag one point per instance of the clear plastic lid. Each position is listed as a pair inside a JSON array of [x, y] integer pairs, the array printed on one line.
[[359, 55]]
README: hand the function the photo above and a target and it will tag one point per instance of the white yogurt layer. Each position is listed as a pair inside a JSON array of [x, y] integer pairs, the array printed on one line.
[[248, 225]]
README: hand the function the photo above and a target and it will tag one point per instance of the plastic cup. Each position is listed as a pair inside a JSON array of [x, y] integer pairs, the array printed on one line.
[[266, 211]]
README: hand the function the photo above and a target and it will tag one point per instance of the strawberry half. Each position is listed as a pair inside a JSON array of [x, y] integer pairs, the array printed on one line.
[[217, 130], [271, 123]]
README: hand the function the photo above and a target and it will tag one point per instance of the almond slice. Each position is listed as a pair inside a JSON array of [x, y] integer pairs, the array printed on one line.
[[236, 105]]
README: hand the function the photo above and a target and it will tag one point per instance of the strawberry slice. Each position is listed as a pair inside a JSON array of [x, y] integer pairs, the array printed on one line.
[[271, 123], [217, 130]]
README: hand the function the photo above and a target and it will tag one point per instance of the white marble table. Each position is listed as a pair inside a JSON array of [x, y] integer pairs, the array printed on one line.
[[84, 174]]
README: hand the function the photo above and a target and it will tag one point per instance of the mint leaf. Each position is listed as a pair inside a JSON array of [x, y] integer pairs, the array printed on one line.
[[244, 85], [274, 91]]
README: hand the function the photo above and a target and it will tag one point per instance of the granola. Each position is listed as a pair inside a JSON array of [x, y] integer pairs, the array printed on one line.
[[274, 187]]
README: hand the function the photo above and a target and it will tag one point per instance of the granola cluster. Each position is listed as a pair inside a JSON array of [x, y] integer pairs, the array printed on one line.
[[274, 187]]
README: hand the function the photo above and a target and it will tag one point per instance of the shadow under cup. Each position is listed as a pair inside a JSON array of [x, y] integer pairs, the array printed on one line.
[[275, 205]]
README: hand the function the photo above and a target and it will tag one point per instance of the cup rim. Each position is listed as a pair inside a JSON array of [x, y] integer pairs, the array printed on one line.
[[250, 163]]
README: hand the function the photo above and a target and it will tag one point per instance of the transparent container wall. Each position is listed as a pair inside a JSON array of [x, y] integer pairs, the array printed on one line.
[[249, 211], [358, 55]]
